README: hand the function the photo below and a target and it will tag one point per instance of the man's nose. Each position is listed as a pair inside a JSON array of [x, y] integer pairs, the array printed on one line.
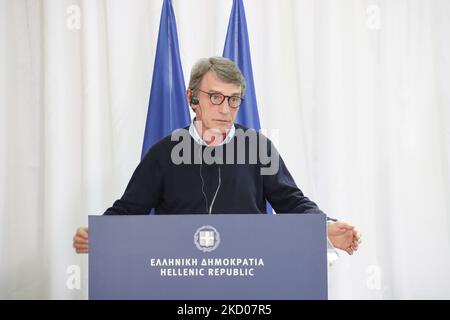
[[224, 107]]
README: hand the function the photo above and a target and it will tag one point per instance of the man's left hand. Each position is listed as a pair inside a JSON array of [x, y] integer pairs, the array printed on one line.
[[344, 236]]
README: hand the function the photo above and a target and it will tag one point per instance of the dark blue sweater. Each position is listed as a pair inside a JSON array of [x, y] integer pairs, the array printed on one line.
[[177, 189]]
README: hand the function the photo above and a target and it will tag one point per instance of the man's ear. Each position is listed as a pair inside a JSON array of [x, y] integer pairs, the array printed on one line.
[[188, 95], [189, 99]]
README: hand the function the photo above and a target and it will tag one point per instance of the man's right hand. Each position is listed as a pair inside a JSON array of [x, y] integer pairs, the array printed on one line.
[[80, 240]]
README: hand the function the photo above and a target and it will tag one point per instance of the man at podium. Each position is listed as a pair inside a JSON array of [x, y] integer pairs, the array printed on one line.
[[216, 166]]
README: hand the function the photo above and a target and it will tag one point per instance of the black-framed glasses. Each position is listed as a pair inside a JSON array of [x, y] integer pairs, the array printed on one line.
[[217, 99]]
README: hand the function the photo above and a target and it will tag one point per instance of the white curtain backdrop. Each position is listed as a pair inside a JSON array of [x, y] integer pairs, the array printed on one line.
[[357, 89]]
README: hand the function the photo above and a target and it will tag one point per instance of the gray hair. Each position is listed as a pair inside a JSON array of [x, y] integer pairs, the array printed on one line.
[[225, 69]]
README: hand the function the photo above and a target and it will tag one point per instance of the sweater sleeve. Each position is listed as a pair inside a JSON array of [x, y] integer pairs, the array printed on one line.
[[143, 190], [282, 192]]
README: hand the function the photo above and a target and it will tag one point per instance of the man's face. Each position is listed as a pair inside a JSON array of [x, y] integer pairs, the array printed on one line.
[[217, 117]]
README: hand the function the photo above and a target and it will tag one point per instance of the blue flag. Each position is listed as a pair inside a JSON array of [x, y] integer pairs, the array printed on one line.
[[237, 48], [167, 107]]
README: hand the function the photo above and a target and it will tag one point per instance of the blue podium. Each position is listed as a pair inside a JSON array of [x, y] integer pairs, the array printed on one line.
[[208, 257]]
